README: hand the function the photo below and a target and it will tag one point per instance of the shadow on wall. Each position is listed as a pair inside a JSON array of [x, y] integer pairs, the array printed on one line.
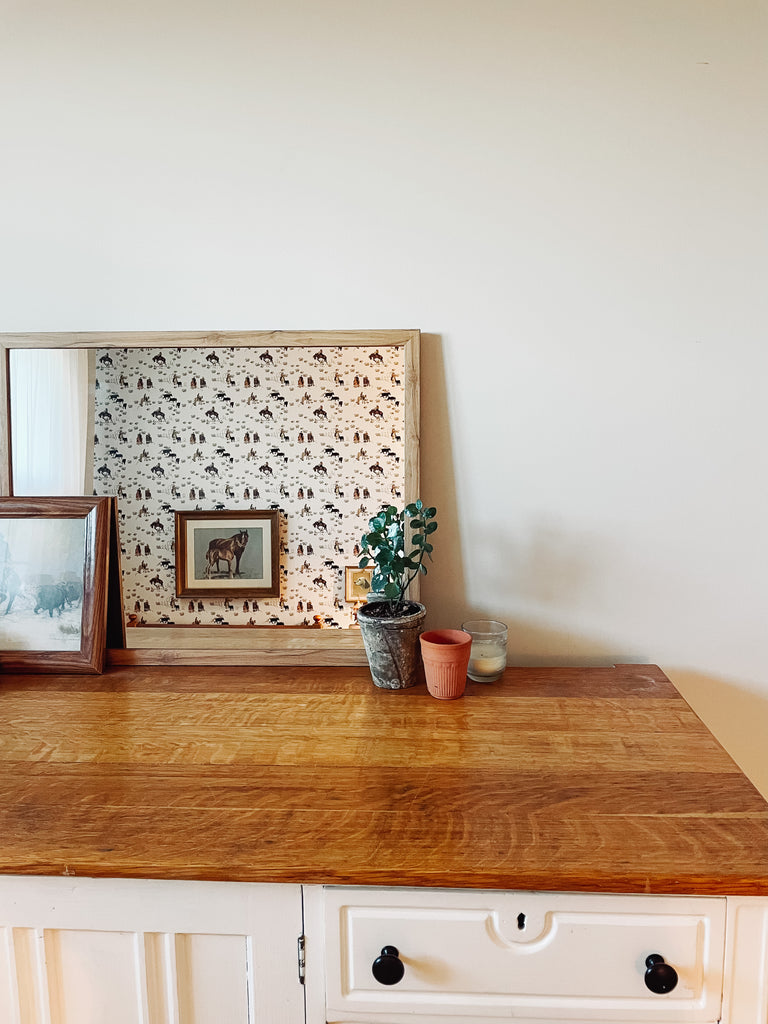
[[528, 639], [736, 715], [444, 586], [548, 566], [551, 566]]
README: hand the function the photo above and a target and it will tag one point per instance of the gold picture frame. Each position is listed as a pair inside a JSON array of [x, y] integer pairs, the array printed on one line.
[[357, 583]]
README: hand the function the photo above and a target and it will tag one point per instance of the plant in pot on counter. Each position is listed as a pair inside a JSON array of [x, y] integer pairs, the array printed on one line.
[[397, 542]]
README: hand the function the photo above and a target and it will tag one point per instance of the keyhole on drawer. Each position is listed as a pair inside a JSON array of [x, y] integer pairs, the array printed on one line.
[[521, 922]]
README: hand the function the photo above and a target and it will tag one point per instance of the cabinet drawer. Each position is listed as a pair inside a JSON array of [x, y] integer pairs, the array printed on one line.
[[537, 956]]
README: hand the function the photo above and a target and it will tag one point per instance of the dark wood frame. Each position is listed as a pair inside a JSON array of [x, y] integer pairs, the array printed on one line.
[[97, 513], [218, 589]]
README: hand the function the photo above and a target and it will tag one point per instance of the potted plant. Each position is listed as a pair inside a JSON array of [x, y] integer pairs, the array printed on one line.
[[397, 542]]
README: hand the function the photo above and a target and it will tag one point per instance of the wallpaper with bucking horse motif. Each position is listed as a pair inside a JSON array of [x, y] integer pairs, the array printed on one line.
[[315, 433]]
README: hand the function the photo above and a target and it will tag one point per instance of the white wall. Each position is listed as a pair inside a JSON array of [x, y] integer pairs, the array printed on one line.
[[567, 196]]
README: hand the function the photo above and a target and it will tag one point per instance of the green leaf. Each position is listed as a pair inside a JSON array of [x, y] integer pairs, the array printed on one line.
[[396, 559]]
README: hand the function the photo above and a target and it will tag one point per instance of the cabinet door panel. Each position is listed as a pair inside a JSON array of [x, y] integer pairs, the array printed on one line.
[[92, 951], [93, 976], [745, 998], [213, 978]]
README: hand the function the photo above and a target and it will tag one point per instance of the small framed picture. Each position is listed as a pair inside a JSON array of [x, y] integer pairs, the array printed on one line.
[[357, 583], [228, 554], [54, 565]]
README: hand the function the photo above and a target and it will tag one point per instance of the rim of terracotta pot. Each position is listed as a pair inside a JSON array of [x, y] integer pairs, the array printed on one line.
[[451, 639]]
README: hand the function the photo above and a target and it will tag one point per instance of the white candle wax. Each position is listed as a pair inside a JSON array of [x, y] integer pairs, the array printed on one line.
[[487, 660]]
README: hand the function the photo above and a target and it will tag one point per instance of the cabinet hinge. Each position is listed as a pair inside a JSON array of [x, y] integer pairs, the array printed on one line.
[[301, 957]]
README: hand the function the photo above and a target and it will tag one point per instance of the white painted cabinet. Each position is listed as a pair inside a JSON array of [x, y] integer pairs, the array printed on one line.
[[472, 957], [105, 951], [745, 991]]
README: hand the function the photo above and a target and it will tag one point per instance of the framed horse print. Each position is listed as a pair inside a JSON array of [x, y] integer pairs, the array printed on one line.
[[54, 570], [223, 555]]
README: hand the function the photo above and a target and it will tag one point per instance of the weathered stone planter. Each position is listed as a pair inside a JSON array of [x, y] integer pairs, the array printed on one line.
[[392, 644]]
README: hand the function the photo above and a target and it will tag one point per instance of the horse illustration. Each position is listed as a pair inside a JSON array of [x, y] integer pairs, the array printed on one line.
[[227, 550]]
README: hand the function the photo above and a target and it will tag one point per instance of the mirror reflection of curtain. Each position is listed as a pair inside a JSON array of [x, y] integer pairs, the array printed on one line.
[[49, 421]]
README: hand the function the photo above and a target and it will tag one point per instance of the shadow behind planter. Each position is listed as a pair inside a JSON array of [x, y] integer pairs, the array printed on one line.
[[392, 644]]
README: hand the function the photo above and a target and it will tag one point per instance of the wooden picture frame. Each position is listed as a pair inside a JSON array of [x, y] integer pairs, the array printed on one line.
[[228, 554], [198, 644], [54, 570], [356, 591]]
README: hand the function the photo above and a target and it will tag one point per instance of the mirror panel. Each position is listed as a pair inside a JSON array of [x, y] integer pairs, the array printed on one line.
[[320, 425], [49, 422]]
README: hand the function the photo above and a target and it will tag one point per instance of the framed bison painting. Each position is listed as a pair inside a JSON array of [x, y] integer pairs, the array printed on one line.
[[54, 564], [228, 554]]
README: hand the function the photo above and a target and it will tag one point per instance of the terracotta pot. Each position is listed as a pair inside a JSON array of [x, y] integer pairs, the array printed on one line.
[[391, 644], [445, 653]]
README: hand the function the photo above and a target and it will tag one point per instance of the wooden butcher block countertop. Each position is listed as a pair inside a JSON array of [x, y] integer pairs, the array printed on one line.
[[560, 779]]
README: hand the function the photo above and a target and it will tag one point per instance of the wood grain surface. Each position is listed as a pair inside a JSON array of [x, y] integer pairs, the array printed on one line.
[[560, 779]]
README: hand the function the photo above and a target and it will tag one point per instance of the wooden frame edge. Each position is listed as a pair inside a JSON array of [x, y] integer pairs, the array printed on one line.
[[408, 339], [182, 519], [97, 515]]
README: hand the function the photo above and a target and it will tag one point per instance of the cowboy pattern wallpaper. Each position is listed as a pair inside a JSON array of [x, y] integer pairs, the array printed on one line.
[[314, 433]]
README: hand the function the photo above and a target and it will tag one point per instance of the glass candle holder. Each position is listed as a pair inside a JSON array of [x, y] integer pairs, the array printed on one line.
[[488, 657]]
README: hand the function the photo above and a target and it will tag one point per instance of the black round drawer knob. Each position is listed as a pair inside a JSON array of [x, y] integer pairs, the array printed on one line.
[[660, 977], [388, 968]]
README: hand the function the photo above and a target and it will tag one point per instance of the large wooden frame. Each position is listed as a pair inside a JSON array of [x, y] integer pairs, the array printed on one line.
[[218, 644], [87, 603]]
